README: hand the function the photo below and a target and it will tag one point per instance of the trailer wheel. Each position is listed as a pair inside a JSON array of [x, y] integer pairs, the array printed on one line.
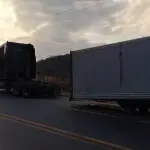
[[25, 92], [143, 110]]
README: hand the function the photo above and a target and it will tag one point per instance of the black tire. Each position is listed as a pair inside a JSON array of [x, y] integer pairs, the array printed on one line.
[[26, 92], [52, 93], [123, 105], [127, 107], [57, 92], [143, 110], [132, 110], [16, 91]]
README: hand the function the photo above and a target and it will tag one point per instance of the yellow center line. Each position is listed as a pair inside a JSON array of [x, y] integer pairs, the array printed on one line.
[[62, 132]]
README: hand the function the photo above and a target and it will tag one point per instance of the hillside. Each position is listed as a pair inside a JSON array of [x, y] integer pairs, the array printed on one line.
[[58, 66]]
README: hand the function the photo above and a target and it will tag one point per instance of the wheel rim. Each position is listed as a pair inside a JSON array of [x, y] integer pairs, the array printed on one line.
[[15, 92], [25, 92]]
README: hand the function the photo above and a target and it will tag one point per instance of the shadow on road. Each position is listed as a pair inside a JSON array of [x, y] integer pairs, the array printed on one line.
[[107, 108], [8, 94]]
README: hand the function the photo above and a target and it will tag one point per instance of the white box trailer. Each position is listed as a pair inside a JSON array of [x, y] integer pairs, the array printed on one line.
[[119, 71]]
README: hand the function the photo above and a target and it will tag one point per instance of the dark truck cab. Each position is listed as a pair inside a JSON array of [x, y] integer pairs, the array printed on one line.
[[18, 70]]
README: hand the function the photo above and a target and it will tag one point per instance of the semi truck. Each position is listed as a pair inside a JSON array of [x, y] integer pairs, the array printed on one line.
[[116, 72], [18, 71]]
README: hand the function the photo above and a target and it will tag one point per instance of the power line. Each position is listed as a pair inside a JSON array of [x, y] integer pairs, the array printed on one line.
[[83, 6], [94, 2]]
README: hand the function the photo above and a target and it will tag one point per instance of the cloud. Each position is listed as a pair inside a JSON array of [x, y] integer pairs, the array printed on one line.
[[131, 21], [54, 31]]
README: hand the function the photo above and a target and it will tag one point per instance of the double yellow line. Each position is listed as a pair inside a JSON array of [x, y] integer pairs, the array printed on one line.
[[65, 133]]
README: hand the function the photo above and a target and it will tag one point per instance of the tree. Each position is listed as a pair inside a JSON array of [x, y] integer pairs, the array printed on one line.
[[58, 66]]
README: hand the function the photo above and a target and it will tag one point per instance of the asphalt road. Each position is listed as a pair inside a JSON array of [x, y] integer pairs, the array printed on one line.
[[15, 136], [63, 121]]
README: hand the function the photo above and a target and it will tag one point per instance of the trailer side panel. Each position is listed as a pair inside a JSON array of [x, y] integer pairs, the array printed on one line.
[[96, 73]]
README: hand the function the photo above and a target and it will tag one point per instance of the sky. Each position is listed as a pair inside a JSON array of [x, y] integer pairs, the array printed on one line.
[[56, 27]]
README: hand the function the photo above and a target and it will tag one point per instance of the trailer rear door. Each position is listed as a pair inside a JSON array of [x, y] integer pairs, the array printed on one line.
[[136, 68]]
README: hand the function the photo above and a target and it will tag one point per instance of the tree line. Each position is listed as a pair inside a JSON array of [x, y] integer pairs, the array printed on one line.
[[58, 66]]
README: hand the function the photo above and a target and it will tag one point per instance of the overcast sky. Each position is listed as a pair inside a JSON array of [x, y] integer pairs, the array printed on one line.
[[53, 30]]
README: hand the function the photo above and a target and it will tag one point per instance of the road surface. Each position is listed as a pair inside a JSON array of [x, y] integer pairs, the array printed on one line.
[[29, 124]]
